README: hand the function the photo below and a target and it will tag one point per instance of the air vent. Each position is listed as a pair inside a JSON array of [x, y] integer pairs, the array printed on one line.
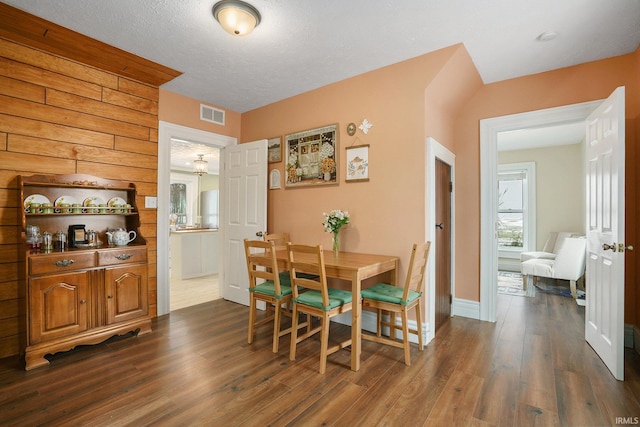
[[210, 114]]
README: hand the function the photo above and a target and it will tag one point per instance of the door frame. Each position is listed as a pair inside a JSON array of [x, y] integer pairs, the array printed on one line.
[[489, 129], [435, 150], [166, 131]]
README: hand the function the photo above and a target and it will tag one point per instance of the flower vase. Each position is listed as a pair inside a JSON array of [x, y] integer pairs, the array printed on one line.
[[336, 242], [327, 176]]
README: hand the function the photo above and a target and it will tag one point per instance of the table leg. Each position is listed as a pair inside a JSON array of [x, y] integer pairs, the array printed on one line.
[[356, 321]]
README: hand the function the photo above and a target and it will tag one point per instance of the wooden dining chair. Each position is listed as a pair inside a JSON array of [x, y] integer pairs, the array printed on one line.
[[394, 299], [274, 290], [307, 271], [280, 239]]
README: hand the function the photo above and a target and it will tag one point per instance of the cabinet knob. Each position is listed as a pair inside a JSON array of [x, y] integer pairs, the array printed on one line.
[[64, 262], [84, 301], [123, 257], [109, 296]]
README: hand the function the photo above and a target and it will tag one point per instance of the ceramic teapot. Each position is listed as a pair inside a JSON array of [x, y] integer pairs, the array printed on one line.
[[121, 237]]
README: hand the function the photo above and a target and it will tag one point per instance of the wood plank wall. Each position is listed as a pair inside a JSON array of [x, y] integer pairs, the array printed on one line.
[[58, 117]]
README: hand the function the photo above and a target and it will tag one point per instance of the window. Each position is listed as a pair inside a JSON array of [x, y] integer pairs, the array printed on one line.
[[516, 208]]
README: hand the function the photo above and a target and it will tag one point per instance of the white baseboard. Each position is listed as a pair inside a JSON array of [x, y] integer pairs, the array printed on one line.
[[466, 308], [369, 324]]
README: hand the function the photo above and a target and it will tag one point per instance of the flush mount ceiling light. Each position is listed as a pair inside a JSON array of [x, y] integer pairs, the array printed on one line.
[[236, 17], [200, 166]]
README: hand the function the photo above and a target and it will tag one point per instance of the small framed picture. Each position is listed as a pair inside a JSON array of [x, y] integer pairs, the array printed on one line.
[[275, 149], [357, 163], [274, 179]]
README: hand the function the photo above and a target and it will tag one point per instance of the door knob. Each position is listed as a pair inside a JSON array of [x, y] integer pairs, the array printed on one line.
[[622, 247], [440, 226], [611, 247], [259, 234]]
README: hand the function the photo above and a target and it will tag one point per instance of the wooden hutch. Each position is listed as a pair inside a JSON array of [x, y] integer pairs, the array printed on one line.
[[91, 292]]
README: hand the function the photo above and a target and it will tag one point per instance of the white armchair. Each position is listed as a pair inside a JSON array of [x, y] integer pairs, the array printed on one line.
[[551, 246], [569, 264]]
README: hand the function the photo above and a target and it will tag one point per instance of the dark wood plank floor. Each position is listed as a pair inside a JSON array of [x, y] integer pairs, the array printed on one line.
[[531, 367]]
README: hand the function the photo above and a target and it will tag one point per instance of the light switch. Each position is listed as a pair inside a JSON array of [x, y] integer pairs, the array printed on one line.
[[150, 202]]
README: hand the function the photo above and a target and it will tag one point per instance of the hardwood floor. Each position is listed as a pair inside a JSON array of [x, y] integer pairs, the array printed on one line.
[[531, 367]]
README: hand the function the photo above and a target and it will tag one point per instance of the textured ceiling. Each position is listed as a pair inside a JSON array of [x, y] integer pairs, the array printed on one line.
[[303, 44]]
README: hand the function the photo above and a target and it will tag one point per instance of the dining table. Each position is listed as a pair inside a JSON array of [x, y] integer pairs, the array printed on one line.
[[354, 267]]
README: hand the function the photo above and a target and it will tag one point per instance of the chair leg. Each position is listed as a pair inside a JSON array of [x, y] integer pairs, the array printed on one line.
[[294, 333], [393, 325], [252, 318], [379, 322], [324, 343], [529, 280], [405, 337], [419, 326], [574, 292], [276, 326]]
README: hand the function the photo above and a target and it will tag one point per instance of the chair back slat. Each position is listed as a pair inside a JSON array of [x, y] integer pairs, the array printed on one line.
[[279, 239], [417, 267], [310, 260], [262, 263]]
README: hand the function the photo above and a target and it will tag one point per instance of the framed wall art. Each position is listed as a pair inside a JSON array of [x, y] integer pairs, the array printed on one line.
[[357, 163], [274, 147], [312, 157], [274, 179]]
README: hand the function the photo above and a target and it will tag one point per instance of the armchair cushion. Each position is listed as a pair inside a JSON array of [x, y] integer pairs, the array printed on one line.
[[551, 246], [568, 265]]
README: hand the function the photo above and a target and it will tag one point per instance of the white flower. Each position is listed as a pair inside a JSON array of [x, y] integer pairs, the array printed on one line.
[[334, 220]]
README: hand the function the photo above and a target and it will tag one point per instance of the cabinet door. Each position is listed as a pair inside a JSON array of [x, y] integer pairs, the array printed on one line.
[[126, 293], [58, 306]]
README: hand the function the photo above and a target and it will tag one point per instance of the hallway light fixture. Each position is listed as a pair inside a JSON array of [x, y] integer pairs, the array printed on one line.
[[236, 17], [200, 166]]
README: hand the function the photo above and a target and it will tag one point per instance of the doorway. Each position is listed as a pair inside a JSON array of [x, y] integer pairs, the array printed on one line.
[[444, 188], [489, 131], [436, 152], [166, 132]]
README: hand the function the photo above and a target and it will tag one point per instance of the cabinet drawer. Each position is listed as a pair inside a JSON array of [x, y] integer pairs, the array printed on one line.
[[121, 256], [55, 263]]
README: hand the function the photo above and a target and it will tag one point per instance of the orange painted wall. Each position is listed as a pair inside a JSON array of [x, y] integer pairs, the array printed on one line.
[[585, 82], [387, 211], [184, 111]]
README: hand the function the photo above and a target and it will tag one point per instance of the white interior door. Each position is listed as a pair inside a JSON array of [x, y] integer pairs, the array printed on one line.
[[245, 212], [604, 319]]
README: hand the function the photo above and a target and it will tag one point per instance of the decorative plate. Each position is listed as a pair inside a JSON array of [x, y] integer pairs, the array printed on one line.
[[92, 201], [116, 201], [37, 198], [65, 199]]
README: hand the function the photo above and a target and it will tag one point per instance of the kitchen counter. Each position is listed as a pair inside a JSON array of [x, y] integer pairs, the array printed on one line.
[[193, 252]]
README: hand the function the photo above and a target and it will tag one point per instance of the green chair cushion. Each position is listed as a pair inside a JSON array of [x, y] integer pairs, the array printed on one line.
[[269, 288], [337, 297], [389, 293]]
